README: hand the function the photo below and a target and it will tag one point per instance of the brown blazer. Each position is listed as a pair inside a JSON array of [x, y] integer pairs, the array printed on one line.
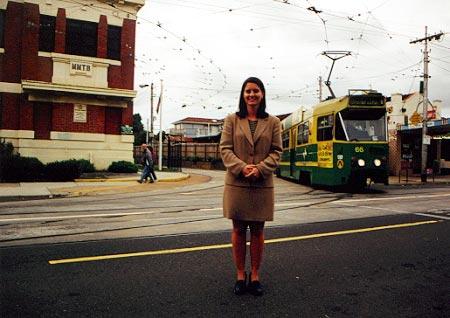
[[245, 199]]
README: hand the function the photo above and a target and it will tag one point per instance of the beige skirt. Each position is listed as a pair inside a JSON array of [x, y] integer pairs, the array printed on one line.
[[248, 204]]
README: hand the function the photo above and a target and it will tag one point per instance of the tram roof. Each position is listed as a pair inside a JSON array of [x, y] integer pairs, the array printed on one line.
[[356, 98], [327, 106]]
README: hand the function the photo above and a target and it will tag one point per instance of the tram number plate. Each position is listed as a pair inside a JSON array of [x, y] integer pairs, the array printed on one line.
[[359, 149]]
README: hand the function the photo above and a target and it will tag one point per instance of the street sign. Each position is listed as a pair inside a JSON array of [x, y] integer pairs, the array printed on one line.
[[415, 118], [426, 140]]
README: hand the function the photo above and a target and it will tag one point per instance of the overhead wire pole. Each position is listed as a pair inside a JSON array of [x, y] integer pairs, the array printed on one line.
[[320, 89], [425, 140], [159, 109], [151, 115], [150, 119]]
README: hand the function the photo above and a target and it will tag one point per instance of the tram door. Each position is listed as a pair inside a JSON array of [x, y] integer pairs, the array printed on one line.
[[292, 143]]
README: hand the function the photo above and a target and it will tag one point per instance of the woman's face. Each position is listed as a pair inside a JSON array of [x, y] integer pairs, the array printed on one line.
[[252, 95]]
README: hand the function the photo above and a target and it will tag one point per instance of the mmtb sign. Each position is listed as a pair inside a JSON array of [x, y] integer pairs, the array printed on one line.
[[80, 68]]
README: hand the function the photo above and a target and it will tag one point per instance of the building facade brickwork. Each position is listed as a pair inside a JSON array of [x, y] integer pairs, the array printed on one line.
[[66, 78]]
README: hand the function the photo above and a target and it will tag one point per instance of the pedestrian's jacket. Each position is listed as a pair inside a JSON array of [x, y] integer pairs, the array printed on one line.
[[147, 159], [238, 148]]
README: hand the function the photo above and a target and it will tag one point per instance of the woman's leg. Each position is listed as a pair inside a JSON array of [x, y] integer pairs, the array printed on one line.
[[238, 240], [256, 247]]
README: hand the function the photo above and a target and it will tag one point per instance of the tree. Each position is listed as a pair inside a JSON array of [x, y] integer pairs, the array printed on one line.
[[138, 130]]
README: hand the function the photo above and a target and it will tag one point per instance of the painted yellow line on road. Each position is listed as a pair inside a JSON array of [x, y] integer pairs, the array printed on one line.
[[222, 246]]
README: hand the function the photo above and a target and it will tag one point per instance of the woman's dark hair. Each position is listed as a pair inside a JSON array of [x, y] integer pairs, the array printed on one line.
[[242, 113]]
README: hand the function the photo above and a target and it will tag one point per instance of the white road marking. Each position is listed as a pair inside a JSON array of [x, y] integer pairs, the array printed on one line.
[[403, 197], [434, 216], [374, 208]]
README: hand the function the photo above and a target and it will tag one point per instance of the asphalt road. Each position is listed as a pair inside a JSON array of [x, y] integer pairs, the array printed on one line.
[[379, 253], [384, 272]]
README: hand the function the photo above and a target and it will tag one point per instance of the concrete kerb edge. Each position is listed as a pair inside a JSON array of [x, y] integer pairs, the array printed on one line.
[[184, 177]]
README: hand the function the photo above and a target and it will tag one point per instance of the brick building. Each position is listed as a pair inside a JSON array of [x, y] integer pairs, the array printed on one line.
[[66, 78]]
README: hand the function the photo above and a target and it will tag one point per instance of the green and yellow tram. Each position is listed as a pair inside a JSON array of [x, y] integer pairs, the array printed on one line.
[[340, 141]]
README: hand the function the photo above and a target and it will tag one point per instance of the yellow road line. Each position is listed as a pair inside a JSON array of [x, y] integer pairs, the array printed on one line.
[[223, 246]]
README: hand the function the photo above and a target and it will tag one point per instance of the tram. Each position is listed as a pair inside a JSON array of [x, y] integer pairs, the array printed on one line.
[[339, 142]]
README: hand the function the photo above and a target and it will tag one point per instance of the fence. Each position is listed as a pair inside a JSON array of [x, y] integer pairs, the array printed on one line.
[[201, 155]]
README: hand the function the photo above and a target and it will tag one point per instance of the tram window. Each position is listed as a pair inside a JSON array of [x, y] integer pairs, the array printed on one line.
[[339, 132], [363, 125], [325, 128], [285, 138], [300, 134], [303, 134]]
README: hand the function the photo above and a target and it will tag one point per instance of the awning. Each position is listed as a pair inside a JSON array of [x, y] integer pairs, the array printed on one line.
[[61, 93]]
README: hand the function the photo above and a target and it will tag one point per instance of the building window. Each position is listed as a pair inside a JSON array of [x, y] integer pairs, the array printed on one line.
[[81, 38], [47, 33], [325, 128], [114, 35], [2, 28], [1, 109]]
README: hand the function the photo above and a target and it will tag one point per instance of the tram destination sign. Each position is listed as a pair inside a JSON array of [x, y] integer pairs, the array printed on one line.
[[366, 100]]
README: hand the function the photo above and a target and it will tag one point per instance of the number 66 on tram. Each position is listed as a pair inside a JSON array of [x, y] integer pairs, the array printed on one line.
[[341, 141]]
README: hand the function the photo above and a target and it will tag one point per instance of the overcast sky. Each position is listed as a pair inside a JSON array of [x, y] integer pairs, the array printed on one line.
[[203, 51]]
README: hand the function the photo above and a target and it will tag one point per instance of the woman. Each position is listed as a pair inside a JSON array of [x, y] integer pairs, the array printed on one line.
[[250, 147]]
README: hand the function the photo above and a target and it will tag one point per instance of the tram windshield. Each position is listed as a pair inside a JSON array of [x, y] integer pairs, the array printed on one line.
[[361, 125]]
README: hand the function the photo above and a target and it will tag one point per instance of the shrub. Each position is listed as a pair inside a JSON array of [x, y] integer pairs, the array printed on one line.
[[123, 167], [65, 170], [6, 154], [85, 166], [22, 169]]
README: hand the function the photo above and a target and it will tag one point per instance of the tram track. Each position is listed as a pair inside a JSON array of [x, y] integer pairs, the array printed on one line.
[[115, 229], [297, 197]]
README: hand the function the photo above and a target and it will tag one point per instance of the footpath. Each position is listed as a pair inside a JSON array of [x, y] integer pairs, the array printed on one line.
[[127, 183], [119, 183]]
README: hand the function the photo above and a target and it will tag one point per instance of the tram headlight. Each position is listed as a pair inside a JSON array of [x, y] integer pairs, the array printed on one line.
[[377, 162], [361, 162]]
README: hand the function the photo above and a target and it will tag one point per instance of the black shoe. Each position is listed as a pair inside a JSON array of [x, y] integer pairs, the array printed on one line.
[[239, 287], [254, 287]]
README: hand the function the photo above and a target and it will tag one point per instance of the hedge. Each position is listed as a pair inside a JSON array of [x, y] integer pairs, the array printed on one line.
[[123, 167]]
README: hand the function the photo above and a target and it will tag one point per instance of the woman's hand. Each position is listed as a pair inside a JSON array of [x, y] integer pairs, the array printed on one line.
[[251, 172], [247, 170]]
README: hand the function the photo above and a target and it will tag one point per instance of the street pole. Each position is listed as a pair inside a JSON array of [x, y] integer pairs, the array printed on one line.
[[425, 140], [151, 114], [320, 89], [160, 127], [146, 135]]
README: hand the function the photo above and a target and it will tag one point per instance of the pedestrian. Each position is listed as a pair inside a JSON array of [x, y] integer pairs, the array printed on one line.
[[147, 162], [152, 166], [250, 147]]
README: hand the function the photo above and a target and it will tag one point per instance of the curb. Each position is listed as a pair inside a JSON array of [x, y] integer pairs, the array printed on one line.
[[31, 197], [106, 180], [186, 176]]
